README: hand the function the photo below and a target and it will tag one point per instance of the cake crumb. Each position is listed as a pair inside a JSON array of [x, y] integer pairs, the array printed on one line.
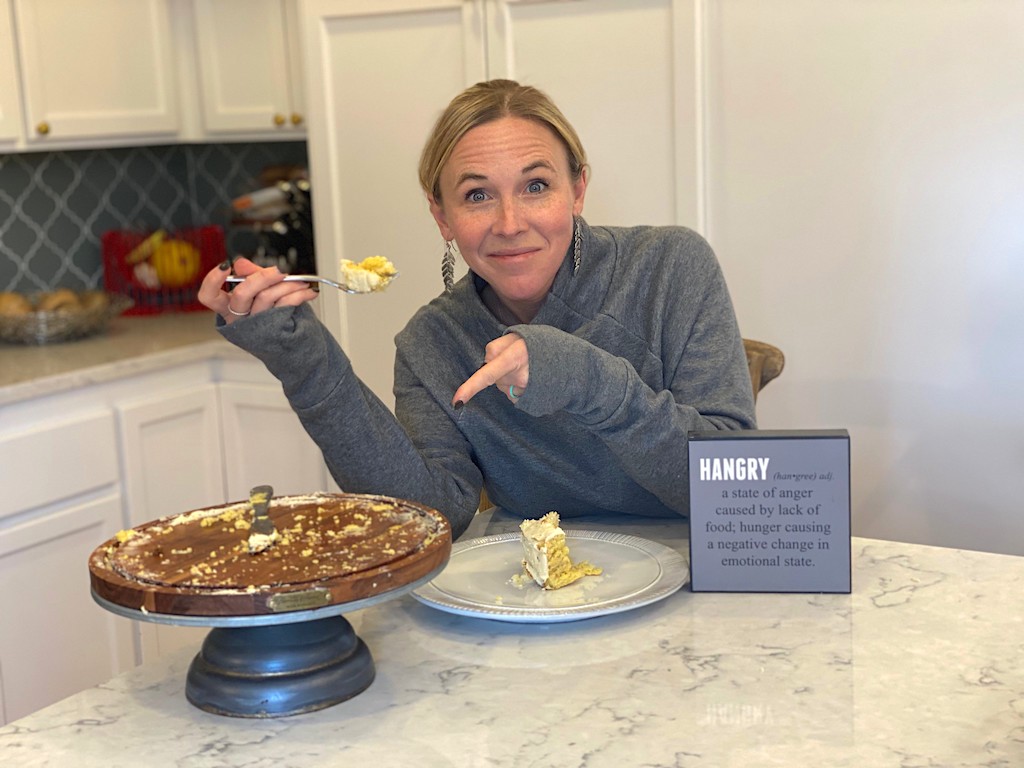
[[123, 536]]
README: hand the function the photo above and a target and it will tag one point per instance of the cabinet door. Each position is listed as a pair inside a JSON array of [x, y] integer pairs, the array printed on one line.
[[264, 443], [172, 453], [96, 70], [246, 66], [54, 639], [621, 73], [172, 463], [10, 89], [45, 462], [382, 72]]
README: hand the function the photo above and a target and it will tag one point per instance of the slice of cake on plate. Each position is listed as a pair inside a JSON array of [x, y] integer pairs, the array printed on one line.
[[546, 555]]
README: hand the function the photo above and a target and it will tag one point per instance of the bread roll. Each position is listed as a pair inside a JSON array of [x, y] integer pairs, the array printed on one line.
[[61, 300], [14, 304], [94, 301]]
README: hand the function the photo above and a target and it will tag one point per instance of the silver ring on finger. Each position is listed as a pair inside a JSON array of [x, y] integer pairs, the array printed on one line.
[[239, 314]]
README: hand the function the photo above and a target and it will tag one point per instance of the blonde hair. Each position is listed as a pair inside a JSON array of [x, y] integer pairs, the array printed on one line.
[[483, 103]]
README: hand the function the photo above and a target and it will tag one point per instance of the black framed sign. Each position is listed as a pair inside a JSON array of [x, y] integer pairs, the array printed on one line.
[[770, 511]]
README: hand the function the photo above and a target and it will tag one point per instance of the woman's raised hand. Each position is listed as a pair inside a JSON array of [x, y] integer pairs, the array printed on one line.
[[262, 289]]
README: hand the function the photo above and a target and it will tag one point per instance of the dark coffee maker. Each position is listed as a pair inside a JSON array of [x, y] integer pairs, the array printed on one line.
[[280, 219]]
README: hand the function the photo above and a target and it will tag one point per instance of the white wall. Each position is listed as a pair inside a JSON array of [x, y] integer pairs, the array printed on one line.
[[866, 197], [858, 165]]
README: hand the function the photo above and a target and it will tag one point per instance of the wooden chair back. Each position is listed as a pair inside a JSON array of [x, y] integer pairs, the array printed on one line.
[[765, 363]]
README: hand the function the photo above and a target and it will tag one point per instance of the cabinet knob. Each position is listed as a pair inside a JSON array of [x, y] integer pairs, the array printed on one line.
[[279, 120], [43, 128], [296, 118]]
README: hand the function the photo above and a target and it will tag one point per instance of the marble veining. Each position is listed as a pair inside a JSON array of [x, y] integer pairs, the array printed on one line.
[[922, 665]]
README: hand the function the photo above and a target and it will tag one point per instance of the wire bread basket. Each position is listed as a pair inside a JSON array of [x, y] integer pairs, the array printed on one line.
[[66, 324]]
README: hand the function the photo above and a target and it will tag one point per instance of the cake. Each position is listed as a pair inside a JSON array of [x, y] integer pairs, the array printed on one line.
[[371, 274], [329, 548], [546, 554]]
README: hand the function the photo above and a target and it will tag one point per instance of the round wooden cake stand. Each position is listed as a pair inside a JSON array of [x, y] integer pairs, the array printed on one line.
[[273, 653]]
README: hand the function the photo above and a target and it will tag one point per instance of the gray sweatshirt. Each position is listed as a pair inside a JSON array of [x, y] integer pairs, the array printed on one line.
[[628, 355]]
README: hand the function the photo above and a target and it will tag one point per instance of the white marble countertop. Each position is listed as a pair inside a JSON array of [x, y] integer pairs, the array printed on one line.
[[922, 665], [130, 345]]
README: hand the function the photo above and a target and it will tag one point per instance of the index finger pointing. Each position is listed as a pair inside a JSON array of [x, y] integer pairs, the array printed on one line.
[[481, 379]]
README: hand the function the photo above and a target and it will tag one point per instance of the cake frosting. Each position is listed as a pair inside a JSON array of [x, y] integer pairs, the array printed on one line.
[[546, 555], [260, 542]]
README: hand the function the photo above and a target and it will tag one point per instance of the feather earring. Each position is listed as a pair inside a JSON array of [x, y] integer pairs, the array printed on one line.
[[577, 245], [448, 267]]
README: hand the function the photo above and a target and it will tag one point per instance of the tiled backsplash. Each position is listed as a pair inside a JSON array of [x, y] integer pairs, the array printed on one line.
[[55, 206]]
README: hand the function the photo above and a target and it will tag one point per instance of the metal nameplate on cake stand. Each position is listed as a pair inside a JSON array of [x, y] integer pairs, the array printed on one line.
[[277, 664]]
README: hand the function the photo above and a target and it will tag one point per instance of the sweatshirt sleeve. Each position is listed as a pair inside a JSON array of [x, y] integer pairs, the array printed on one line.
[[366, 448], [705, 382]]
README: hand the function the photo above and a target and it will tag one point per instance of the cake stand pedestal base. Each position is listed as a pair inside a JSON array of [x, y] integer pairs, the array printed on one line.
[[279, 669]]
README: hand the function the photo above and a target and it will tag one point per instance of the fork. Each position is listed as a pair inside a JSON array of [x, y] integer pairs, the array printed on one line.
[[305, 279]]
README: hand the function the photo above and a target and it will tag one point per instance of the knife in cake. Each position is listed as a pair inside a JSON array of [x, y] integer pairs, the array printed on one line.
[[263, 533]]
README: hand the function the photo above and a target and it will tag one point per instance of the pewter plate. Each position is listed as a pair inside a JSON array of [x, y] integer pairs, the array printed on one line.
[[479, 579]]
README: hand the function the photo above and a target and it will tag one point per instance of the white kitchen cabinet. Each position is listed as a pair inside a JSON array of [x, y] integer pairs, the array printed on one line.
[[205, 435], [123, 72], [43, 461], [249, 71], [173, 463], [54, 639], [96, 73], [173, 460], [382, 71], [10, 88], [60, 500], [265, 444], [203, 445], [79, 465]]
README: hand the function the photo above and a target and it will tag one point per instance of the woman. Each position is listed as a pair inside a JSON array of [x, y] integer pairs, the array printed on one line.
[[564, 372]]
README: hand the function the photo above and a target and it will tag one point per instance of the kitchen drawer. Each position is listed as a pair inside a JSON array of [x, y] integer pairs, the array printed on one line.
[[57, 460]]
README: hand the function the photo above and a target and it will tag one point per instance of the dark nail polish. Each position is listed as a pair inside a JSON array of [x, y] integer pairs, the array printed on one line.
[[226, 264], [457, 405]]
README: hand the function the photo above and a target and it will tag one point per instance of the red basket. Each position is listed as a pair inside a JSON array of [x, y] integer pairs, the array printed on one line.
[[119, 276]]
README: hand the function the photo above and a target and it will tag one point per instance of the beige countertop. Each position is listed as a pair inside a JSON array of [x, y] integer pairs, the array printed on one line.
[[130, 345]]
